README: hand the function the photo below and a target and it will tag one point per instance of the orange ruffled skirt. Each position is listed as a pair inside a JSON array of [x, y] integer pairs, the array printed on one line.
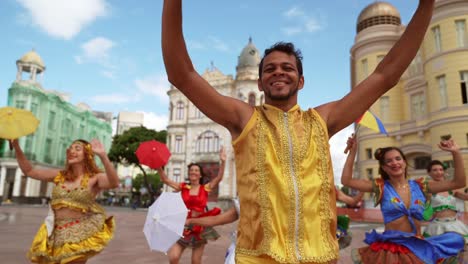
[[73, 239]]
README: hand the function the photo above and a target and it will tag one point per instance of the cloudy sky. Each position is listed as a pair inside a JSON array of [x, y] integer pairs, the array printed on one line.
[[107, 54]]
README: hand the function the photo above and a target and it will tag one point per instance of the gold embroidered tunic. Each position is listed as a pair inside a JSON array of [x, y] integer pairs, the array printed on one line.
[[286, 188], [72, 239]]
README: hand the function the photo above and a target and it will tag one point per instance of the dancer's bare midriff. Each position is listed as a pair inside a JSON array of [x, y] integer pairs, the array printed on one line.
[[64, 213]]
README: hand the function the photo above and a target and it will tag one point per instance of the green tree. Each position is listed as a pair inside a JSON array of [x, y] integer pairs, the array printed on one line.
[[124, 146], [153, 179]]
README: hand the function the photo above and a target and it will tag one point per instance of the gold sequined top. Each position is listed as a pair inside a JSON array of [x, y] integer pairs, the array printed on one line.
[[286, 188], [79, 198]]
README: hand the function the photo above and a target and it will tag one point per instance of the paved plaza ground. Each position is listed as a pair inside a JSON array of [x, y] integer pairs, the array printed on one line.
[[18, 225]]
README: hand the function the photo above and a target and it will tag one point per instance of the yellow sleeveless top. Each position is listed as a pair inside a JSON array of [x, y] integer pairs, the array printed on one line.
[[79, 198], [286, 187]]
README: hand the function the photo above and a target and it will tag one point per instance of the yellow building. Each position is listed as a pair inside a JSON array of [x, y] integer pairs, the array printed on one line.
[[430, 101]]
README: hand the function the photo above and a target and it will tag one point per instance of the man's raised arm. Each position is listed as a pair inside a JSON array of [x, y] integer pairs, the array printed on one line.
[[341, 113], [226, 111]]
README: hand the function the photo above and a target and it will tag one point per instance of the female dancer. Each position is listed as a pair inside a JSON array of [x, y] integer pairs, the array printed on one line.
[[444, 206], [231, 215], [195, 196], [402, 203], [77, 227]]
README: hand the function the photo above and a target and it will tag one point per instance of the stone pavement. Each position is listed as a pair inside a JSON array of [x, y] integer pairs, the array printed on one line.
[[18, 225]]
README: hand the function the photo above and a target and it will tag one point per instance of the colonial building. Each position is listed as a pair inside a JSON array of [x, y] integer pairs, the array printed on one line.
[[430, 101], [125, 121], [192, 137], [60, 124]]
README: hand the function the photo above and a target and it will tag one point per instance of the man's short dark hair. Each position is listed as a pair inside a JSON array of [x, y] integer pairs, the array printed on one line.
[[286, 47]]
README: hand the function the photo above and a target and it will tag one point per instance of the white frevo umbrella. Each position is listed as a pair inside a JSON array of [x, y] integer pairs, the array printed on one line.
[[165, 221]]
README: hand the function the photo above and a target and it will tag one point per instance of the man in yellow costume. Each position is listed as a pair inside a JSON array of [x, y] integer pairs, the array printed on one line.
[[284, 174]]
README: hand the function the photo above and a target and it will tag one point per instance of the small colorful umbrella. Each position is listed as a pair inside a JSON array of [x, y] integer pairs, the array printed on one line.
[[165, 221], [153, 154], [371, 121], [15, 123]]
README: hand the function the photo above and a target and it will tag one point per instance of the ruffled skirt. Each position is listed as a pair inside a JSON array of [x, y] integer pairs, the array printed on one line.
[[401, 247], [449, 224], [73, 239], [195, 235]]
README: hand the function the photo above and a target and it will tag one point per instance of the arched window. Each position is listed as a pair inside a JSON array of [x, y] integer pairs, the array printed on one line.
[[252, 99], [207, 142], [198, 114], [180, 110]]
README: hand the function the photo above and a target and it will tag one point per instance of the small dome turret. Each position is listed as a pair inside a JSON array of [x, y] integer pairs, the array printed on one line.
[[249, 56], [378, 13], [32, 58]]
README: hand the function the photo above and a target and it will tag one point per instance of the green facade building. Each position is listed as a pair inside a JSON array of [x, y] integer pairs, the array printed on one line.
[[60, 123]]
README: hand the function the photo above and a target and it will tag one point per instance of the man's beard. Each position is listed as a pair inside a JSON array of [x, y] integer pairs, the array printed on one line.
[[281, 97]]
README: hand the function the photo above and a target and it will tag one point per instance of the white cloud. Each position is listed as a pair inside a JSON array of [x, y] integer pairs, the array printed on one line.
[[313, 25], [289, 31], [337, 146], [156, 85], [304, 23], [195, 45], [63, 19], [108, 74], [218, 44], [155, 121], [294, 12], [115, 98], [211, 42], [96, 50]]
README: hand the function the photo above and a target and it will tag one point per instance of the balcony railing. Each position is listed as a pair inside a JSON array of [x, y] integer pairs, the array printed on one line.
[[10, 154]]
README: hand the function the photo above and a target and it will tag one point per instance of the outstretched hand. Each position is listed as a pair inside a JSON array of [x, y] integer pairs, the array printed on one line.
[[97, 147], [222, 154], [350, 143], [448, 145], [13, 143]]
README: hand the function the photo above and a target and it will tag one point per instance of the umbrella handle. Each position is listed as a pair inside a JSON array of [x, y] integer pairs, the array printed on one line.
[[10, 144]]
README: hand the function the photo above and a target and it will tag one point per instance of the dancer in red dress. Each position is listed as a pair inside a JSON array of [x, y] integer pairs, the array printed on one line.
[[195, 196]]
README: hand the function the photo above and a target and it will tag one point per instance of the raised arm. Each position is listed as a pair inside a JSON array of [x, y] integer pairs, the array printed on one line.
[[352, 201], [459, 179], [222, 158], [461, 194], [226, 111], [28, 169], [167, 181], [225, 218], [109, 179], [361, 185], [340, 114]]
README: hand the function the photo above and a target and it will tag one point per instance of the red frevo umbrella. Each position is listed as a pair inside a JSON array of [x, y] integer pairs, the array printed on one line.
[[153, 154]]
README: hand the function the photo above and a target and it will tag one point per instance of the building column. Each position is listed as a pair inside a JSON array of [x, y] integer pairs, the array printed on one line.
[[2, 179], [27, 192], [19, 72], [33, 73], [17, 186]]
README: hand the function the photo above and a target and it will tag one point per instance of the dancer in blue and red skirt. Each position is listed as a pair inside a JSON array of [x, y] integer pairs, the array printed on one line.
[[402, 202]]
